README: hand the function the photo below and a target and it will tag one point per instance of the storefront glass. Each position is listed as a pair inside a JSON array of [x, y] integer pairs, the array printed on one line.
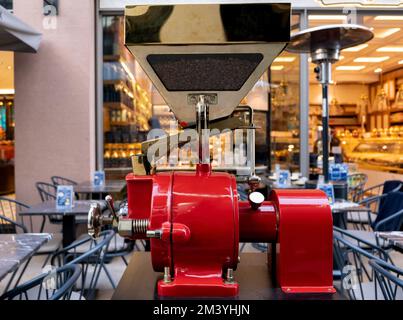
[[7, 122], [285, 108], [127, 108], [132, 107], [366, 98], [366, 110]]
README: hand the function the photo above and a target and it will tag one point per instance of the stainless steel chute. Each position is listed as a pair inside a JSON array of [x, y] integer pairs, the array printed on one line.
[[216, 50]]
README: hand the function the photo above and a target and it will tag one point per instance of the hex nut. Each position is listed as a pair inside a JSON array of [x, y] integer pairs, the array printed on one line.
[[125, 228]]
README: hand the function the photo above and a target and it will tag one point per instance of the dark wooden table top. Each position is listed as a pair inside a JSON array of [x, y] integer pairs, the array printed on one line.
[[110, 186], [139, 281], [15, 249], [48, 208]]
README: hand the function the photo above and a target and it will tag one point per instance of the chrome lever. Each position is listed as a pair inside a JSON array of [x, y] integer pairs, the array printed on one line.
[[109, 204]]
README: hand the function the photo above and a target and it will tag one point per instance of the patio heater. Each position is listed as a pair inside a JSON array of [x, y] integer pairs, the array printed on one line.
[[204, 59], [324, 44]]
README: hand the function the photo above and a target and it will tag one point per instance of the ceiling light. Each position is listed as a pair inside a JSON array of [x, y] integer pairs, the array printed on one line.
[[284, 59], [327, 17], [388, 18], [378, 70], [371, 59], [390, 49], [7, 91], [350, 68], [400, 62], [386, 33], [276, 68], [356, 48]]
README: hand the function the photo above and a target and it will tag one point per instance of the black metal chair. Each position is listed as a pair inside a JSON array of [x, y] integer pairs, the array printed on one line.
[[9, 209], [9, 225], [356, 184], [363, 220], [61, 181], [94, 256], [357, 276], [388, 218], [47, 192], [383, 188], [389, 278], [55, 285]]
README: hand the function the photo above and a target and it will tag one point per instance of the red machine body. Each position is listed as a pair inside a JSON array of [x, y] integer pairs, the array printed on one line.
[[201, 222]]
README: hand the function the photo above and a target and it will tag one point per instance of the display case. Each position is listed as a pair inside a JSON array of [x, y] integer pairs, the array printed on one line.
[[385, 154]]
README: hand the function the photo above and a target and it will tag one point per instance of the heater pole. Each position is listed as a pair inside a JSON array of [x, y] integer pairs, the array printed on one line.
[[325, 131]]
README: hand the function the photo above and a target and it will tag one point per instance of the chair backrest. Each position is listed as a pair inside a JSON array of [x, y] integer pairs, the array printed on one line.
[[94, 254], [390, 204], [9, 219], [46, 191], [392, 186], [351, 255], [356, 187], [389, 278], [61, 181], [55, 285]]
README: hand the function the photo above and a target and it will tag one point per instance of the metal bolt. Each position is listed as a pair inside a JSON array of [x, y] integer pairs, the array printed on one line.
[[167, 275], [230, 276], [154, 234]]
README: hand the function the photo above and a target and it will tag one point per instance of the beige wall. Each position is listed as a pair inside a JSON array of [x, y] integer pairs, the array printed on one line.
[[55, 98]]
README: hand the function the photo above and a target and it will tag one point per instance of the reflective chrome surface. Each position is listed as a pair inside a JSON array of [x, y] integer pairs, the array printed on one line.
[[329, 37], [189, 50]]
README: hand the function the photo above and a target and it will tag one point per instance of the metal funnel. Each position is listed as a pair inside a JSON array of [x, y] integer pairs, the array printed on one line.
[[216, 50]]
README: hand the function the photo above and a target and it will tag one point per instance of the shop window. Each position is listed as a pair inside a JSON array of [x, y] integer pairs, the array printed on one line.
[[127, 107], [365, 96], [132, 107], [285, 108]]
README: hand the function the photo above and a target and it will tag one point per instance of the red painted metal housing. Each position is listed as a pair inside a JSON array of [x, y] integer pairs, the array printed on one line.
[[202, 222]]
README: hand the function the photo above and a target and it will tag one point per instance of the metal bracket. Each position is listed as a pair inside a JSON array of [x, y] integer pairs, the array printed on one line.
[[209, 98]]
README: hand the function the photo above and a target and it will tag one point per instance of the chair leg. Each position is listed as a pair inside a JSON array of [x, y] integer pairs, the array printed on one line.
[[109, 276], [8, 286], [22, 272], [124, 260], [46, 260]]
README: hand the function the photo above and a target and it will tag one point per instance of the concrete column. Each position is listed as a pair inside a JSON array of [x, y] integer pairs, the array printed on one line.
[[55, 97]]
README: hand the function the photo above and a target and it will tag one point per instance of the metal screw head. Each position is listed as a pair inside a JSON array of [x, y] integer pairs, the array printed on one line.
[[154, 234], [230, 276], [167, 275]]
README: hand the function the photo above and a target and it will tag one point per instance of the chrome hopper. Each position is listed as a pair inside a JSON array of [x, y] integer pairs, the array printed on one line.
[[218, 51]]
